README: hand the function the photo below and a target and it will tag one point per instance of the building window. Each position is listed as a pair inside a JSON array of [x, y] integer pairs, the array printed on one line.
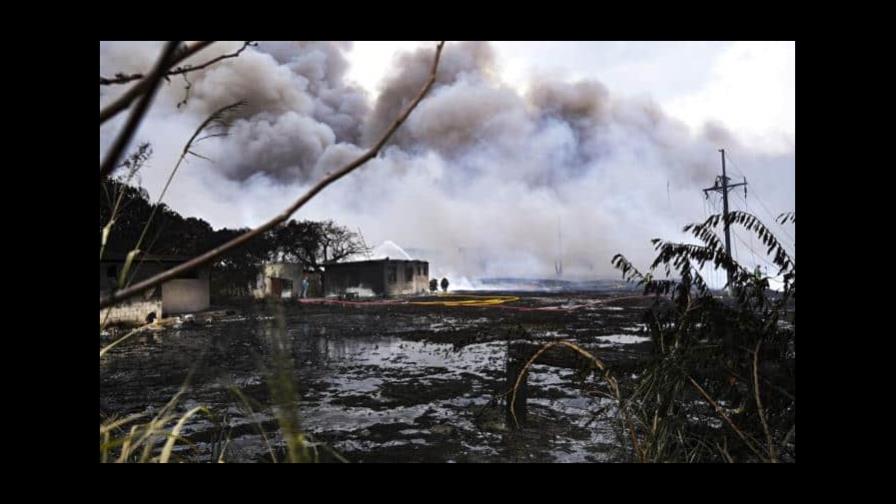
[[393, 274], [426, 269], [409, 274]]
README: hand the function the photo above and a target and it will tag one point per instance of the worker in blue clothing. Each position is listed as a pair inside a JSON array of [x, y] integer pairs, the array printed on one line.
[[305, 284]]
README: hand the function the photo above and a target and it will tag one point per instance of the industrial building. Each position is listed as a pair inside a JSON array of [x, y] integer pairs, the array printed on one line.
[[380, 277]]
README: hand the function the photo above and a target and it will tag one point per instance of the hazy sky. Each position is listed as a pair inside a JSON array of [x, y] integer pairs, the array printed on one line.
[[607, 144]]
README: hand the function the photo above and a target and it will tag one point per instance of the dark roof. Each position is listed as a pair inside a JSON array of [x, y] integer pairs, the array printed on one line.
[[374, 261], [146, 258]]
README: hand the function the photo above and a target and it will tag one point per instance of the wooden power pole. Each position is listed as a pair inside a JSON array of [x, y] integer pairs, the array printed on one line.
[[721, 185]]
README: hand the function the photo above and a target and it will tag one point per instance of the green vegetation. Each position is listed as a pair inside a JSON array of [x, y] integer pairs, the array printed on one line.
[[720, 384]]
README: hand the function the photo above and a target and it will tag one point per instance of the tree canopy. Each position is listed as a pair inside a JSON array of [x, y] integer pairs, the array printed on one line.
[[125, 210]]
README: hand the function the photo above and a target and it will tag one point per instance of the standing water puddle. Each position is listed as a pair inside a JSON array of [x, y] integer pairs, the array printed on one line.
[[370, 395]]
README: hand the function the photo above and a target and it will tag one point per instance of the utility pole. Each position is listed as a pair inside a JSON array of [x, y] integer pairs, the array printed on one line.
[[721, 185], [558, 264]]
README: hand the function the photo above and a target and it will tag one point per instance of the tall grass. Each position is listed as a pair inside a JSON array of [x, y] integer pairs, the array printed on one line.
[[135, 439]]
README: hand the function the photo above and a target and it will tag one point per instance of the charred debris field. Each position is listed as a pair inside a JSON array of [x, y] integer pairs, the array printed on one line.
[[388, 381]]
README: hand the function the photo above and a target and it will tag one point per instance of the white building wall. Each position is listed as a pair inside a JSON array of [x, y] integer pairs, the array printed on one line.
[[184, 295]]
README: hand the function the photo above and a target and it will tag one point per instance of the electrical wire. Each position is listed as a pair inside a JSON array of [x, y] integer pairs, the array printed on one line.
[[769, 214]]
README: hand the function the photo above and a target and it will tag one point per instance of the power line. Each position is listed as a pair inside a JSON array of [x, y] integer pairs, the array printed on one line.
[[761, 256], [761, 203], [747, 209], [710, 271], [735, 246], [733, 164], [781, 240], [768, 214], [715, 271]]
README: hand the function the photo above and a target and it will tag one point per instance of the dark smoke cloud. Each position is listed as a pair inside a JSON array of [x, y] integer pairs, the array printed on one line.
[[483, 180], [411, 72]]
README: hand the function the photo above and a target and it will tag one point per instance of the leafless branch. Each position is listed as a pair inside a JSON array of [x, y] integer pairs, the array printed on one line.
[[121, 78], [141, 87], [283, 216], [186, 91], [725, 417], [152, 84], [768, 437], [190, 68], [611, 381]]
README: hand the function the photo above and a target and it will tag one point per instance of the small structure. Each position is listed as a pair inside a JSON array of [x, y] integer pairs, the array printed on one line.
[[186, 293], [278, 280], [284, 280], [379, 277]]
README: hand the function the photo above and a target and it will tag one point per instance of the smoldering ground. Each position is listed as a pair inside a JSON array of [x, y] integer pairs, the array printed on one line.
[[484, 179]]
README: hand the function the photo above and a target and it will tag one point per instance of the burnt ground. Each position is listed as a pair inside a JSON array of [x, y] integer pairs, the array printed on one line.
[[379, 382]]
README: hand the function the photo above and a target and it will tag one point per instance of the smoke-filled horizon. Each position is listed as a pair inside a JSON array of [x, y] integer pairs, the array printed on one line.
[[483, 180]]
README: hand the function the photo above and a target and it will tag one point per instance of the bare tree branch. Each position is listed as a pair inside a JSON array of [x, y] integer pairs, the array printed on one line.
[[772, 456], [121, 78], [141, 87], [283, 216], [725, 417], [191, 68], [136, 117]]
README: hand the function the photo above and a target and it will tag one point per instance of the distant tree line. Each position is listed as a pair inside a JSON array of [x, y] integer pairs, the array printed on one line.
[[168, 233]]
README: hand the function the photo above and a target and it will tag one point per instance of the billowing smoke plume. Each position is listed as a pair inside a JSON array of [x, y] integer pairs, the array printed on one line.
[[482, 180]]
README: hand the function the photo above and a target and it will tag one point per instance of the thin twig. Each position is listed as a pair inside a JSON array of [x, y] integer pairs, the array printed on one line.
[[614, 386], [141, 87], [216, 116], [191, 68], [765, 380], [725, 417], [724, 451], [245, 402], [136, 117], [768, 437], [126, 336], [124, 79], [283, 216]]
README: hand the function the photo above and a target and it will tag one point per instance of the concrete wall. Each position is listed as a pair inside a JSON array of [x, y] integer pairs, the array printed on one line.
[[184, 295], [411, 277], [180, 295], [134, 312], [356, 277]]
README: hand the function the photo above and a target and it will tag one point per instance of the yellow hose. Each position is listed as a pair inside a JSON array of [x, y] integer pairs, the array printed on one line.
[[470, 300]]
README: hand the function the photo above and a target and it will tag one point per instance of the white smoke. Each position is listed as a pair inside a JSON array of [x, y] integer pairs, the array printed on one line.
[[481, 180]]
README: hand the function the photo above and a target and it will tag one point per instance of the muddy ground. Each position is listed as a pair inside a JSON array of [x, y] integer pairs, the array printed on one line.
[[379, 382]]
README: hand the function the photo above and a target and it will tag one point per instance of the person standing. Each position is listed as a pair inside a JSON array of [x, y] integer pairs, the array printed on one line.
[[305, 284]]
